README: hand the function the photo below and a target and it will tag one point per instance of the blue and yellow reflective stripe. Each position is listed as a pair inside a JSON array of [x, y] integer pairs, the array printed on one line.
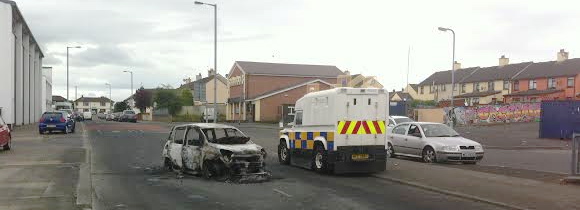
[[305, 140]]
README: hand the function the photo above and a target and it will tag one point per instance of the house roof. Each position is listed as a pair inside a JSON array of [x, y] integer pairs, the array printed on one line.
[[444, 77], [93, 99], [569, 67], [284, 89], [401, 94], [478, 94], [414, 86], [496, 72], [56, 98], [204, 80], [289, 69], [534, 92]]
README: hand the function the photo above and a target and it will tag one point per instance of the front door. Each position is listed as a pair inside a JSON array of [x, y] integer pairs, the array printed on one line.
[[191, 154], [176, 147], [412, 142]]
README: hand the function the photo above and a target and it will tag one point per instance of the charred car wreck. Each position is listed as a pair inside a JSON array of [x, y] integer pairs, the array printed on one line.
[[214, 151]]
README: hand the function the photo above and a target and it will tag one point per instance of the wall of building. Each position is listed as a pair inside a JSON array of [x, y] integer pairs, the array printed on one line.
[[436, 115], [270, 106], [485, 114], [82, 107], [6, 64], [222, 92], [235, 90]]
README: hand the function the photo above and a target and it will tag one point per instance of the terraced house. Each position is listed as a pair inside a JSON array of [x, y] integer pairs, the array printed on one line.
[[519, 82]]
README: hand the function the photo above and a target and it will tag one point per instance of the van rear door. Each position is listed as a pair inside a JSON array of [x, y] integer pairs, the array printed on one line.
[[365, 117]]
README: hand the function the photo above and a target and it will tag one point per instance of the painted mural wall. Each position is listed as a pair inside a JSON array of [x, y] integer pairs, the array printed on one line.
[[517, 112]]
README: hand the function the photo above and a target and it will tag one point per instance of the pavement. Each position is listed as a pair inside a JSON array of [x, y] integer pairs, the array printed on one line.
[[40, 171]]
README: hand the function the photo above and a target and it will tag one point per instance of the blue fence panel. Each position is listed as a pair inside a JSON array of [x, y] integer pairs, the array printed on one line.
[[559, 119], [398, 108]]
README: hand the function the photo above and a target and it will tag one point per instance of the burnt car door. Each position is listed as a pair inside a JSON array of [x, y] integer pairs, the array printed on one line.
[[176, 145], [191, 154]]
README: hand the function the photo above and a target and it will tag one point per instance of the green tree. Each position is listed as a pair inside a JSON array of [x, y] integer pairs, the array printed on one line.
[[121, 106], [168, 99], [186, 97], [143, 99]]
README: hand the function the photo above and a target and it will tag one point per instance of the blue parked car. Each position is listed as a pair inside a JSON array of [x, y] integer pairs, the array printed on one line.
[[56, 121]]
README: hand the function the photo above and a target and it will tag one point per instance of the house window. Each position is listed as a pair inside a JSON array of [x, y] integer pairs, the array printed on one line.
[[490, 86], [570, 81], [476, 87], [236, 109], [516, 85], [533, 99], [431, 89], [85, 110], [85, 103], [532, 84], [454, 87], [475, 100], [551, 83], [506, 85], [462, 88], [422, 87], [516, 99], [103, 104], [443, 87]]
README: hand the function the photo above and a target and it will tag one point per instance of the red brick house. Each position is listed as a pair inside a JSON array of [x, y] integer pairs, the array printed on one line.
[[267, 91], [553, 80]]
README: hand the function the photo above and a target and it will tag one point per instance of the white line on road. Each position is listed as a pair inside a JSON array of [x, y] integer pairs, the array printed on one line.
[[282, 192]]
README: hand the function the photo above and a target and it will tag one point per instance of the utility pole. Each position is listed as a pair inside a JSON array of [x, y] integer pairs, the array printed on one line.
[[214, 57], [76, 98], [408, 63]]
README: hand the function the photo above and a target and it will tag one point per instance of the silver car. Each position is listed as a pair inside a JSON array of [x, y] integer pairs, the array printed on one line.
[[432, 142]]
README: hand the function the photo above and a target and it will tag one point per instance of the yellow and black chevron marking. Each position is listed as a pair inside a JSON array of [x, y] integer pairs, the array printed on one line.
[[361, 127], [305, 140]]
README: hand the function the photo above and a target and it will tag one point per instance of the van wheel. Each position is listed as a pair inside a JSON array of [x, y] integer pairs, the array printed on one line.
[[283, 153], [320, 160]]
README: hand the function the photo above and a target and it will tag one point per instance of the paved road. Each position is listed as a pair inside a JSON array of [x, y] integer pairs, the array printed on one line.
[[126, 175]]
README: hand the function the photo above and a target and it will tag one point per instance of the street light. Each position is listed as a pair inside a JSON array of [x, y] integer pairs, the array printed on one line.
[[110, 99], [67, 68], [452, 74], [214, 58], [131, 81]]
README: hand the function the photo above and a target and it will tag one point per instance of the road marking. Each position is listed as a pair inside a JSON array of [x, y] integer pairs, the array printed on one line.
[[115, 131], [282, 192]]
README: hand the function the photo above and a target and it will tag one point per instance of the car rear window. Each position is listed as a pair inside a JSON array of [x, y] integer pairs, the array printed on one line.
[[129, 112], [52, 114]]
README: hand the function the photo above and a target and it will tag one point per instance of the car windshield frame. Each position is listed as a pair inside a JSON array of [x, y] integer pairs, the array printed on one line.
[[211, 136], [438, 130]]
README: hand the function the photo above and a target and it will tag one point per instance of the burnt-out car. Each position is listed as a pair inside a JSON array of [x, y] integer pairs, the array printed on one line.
[[214, 151]]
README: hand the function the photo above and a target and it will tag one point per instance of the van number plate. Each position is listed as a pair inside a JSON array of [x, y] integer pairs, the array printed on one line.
[[360, 156]]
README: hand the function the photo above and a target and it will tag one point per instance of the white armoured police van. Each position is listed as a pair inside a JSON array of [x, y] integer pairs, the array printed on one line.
[[341, 130]]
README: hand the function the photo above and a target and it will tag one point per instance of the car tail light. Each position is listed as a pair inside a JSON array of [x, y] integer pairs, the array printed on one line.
[[62, 119], [41, 120]]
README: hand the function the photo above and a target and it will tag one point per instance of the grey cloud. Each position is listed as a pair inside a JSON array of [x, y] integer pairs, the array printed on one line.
[[50, 59], [108, 55]]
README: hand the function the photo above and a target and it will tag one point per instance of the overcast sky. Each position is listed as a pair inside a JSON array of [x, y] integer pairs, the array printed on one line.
[[165, 41]]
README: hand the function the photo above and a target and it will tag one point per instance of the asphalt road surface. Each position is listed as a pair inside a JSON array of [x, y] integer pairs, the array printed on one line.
[[127, 174]]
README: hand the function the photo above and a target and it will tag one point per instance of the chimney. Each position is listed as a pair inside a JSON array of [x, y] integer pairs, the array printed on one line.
[[456, 65], [198, 77], [210, 72], [562, 55], [503, 61], [346, 72]]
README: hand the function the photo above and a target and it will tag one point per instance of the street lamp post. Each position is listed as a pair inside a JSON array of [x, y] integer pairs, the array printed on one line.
[[110, 99], [214, 58], [67, 98], [131, 81], [452, 75]]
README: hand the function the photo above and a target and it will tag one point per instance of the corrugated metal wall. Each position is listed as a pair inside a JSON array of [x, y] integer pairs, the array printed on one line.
[[559, 119], [398, 108]]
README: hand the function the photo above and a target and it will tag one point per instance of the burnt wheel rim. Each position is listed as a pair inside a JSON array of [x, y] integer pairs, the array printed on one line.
[[429, 156], [318, 160]]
